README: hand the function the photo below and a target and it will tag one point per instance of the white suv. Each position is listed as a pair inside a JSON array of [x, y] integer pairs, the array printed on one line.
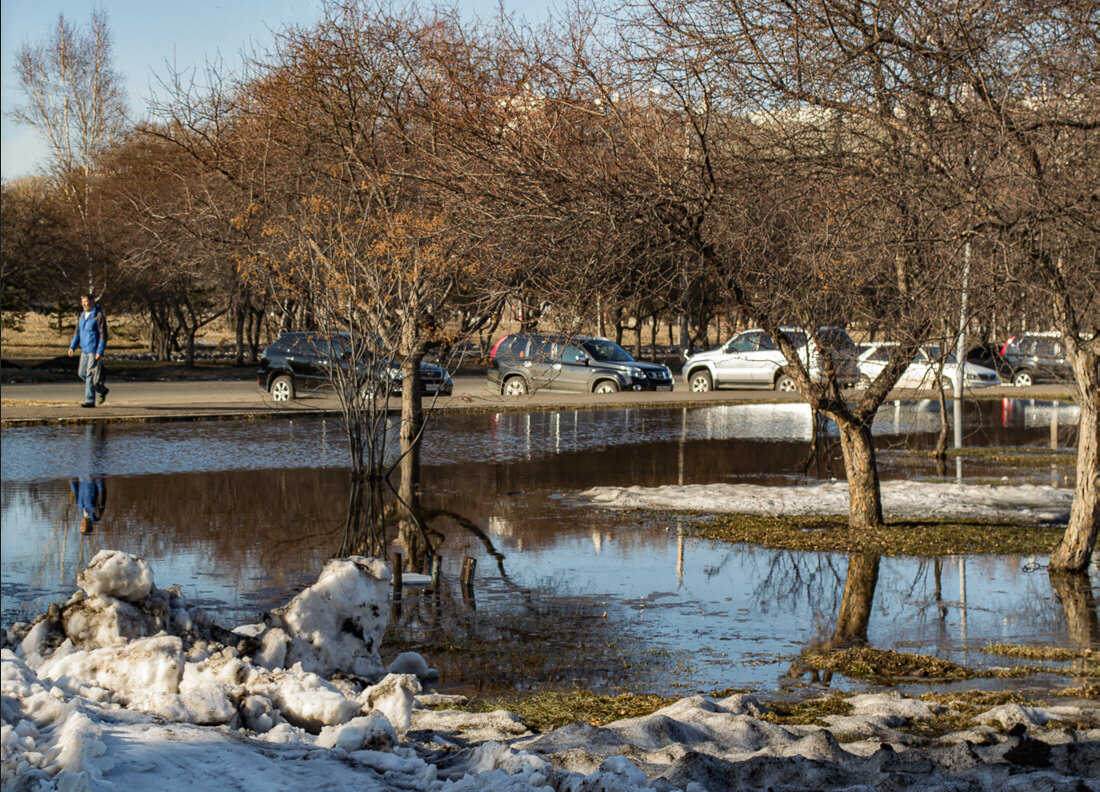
[[752, 359]]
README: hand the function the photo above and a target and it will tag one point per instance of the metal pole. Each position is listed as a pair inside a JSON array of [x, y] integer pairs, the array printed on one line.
[[960, 359]]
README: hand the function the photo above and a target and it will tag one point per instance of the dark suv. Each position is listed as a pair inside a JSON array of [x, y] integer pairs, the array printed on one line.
[[1036, 357], [525, 362], [298, 363]]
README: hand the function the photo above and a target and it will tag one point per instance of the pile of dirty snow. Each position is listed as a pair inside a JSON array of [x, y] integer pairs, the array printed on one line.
[[126, 686], [901, 500]]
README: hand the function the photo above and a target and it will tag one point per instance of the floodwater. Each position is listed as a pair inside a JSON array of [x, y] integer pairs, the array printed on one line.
[[241, 515]]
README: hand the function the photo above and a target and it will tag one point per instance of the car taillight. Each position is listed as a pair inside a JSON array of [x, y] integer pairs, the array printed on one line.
[[1004, 349], [496, 346]]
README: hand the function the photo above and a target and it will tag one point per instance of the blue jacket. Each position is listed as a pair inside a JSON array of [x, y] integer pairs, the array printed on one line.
[[91, 332]]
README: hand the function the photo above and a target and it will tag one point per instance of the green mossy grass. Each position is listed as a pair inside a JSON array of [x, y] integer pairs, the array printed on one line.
[[831, 534]]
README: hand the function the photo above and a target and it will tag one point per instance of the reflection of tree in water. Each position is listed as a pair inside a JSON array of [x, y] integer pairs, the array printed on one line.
[[853, 615], [793, 577], [1074, 592], [523, 638], [855, 603]]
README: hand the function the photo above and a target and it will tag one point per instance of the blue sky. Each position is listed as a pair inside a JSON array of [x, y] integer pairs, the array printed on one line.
[[149, 34]]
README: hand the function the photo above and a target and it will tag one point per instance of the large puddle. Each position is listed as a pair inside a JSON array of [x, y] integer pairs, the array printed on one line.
[[243, 514]]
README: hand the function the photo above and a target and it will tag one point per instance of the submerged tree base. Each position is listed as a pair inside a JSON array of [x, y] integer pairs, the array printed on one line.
[[831, 534]]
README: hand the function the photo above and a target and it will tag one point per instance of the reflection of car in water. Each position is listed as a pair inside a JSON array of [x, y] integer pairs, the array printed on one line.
[[525, 362], [752, 359], [298, 363], [1033, 413], [784, 421], [924, 371]]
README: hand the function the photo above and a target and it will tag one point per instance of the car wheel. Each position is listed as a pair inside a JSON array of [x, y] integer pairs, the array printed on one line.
[[701, 382], [785, 384], [606, 386], [282, 388], [514, 386], [1022, 379]]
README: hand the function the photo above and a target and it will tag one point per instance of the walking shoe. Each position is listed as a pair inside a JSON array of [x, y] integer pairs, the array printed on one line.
[[103, 395], [88, 404]]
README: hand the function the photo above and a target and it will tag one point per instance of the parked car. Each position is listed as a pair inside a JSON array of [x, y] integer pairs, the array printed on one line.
[[923, 372], [1036, 357], [752, 359], [989, 356], [526, 362], [299, 363]]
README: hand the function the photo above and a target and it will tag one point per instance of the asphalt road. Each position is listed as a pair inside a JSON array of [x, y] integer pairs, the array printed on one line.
[[59, 402]]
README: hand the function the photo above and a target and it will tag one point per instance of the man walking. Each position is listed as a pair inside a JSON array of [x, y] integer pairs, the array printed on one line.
[[91, 338]]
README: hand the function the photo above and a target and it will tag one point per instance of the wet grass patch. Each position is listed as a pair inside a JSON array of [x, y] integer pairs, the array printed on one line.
[[952, 712], [1084, 662], [829, 533], [1051, 653], [806, 712], [545, 711], [1016, 456], [885, 666]]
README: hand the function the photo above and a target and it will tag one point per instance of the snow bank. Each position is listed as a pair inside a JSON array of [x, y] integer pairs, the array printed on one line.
[[129, 687], [1025, 503], [337, 623]]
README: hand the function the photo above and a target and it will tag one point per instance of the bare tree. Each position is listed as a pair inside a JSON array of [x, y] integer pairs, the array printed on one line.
[[74, 98]]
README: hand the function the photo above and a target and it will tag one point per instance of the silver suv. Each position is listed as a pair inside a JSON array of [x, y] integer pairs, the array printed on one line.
[[752, 359]]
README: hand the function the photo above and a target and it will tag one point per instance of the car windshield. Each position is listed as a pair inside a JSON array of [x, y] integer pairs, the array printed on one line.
[[606, 351]]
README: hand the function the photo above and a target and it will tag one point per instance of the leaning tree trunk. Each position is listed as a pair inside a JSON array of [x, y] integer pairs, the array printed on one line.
[[865, 497], [1074, 551]]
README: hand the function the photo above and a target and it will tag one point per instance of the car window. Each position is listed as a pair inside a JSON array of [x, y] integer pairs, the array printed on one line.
[[835, 339], [796, 337], [512, 347], [1045, 347], [539, 350], [766, 342], [881, 354], [746, 342], [607, 351], [572, 354]]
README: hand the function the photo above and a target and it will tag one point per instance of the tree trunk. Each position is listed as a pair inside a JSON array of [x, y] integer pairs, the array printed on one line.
[[1074, 551], [412, 403], [238, 324], [1074, 590], [855, 604], [865, 497]]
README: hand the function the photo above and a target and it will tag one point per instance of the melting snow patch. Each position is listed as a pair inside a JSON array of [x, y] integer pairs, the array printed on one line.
[[126, 686], [900, 500]]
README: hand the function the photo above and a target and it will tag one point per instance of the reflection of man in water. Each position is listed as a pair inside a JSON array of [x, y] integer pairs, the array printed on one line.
[[91, 497]]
